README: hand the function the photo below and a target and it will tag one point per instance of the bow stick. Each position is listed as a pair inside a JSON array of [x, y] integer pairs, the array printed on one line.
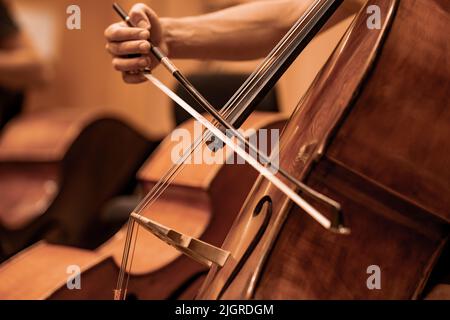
[[185, 83]]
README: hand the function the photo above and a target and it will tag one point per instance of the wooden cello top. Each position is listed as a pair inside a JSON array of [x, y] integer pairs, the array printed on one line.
[[371, 133], [188, 196], [194, 175]]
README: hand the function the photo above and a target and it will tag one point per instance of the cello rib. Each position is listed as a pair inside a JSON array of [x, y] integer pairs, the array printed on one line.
[[368, 115]]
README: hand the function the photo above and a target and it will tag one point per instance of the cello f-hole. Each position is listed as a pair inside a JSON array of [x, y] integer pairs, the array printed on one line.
[[262, 229]]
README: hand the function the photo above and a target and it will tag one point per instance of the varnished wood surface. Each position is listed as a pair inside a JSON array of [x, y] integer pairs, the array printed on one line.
[[57, 169], [386, 232], [402, 138], [195, 175], [403, 176], [393, 226], [204, 209], [23, 276], [310, 126], [40, 271], [46, 136], [26, 192], [151, 253]]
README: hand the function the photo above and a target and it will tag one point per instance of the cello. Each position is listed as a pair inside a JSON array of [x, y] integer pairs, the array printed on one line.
[[48, 160], [374, 137], [362, 137], [193, 203]]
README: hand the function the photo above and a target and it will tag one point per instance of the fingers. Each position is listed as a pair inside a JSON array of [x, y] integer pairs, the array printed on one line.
[[128, 47], [138, 16], [133, 78], [118, 32], [143, 17], [134, 64], [132, 68], [124, 41]]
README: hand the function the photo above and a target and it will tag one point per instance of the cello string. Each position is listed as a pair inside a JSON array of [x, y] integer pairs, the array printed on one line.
[[149, 202], [309, 209], [159, 188], [281, 46], [132, 256], [239, 96], [162, 185], [118, 291], [262, 68], [232, 105], [264, 157], [276, 56], [149, 199]]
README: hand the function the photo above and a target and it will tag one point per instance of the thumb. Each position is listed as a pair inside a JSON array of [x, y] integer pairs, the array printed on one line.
[[144, 17], [138, 16]]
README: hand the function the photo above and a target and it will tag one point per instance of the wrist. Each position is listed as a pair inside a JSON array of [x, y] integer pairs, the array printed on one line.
[[175, 34], [167, 35]]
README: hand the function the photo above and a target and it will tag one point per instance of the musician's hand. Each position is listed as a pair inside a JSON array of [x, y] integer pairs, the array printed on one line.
[[123, 41]]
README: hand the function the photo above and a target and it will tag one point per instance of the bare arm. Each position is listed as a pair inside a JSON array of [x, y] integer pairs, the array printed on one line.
[[242, 32]]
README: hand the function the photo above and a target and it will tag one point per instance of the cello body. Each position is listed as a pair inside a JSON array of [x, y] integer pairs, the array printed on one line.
[[199, 202], [371, 133], [57, 169]]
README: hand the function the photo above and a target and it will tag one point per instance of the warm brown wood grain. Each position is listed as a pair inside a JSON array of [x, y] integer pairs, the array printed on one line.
[[400, 123], [195, 175], [199, 203], [45, 135], [376, 125], [57, 169], [34, 272]]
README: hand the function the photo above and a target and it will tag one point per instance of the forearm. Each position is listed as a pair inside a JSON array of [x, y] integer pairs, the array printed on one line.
[[243, 32]]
